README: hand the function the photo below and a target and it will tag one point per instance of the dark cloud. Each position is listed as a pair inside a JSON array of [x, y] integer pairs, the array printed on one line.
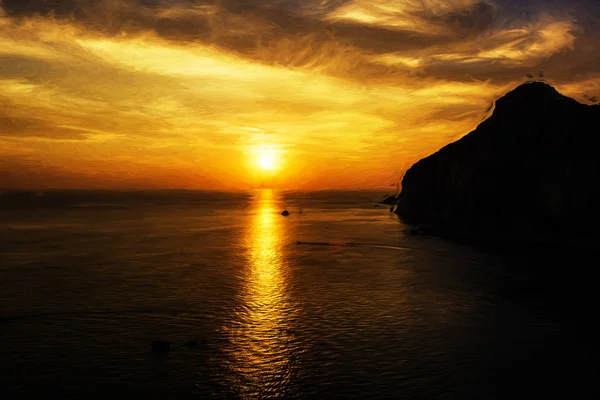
[[42, 7], [480, 17], [305, 35], [300, 34]]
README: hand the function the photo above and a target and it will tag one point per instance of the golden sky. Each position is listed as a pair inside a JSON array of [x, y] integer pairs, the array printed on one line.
[[229, 95]]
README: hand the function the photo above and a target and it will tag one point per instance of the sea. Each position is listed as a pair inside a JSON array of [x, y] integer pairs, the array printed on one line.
[[190, 294]]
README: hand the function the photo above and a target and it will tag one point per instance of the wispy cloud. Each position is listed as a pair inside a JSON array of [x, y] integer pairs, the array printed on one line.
[[427, 17], [516, 46]]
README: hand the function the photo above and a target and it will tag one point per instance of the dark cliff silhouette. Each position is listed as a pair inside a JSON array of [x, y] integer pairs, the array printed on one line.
[[530, 173]]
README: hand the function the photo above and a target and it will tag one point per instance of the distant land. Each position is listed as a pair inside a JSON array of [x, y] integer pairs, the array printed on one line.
[[529, 174]]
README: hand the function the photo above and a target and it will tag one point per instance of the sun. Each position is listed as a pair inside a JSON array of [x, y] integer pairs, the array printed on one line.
[[266, 161], [267, 158]]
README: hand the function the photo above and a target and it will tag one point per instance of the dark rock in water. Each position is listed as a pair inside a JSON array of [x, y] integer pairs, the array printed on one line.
[[415, 231], [285, 213], [161, 346], [390, 200], [529, 173]]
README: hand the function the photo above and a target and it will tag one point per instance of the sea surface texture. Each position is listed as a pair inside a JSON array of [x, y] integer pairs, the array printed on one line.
[[336, 300]]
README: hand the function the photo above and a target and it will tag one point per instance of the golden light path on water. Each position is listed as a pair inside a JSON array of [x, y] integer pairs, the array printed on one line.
[[261, 345]]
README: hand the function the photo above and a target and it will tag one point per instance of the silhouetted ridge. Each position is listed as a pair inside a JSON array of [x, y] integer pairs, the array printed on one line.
[[530, 172], [532, 90], [533, 98]]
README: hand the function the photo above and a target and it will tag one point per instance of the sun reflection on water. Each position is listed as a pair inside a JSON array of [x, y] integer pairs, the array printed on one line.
[[262, 347]]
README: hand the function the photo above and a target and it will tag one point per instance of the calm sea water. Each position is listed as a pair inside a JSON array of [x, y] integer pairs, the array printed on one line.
[[336, 300]]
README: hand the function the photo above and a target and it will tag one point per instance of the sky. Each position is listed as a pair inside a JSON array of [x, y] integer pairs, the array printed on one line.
[[238, 94]]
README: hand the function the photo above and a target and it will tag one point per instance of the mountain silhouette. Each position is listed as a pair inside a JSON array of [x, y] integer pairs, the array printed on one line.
[[529, 173]]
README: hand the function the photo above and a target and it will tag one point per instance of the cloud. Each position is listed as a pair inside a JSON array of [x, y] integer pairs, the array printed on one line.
[[328, 37], [522, 45], [35, 127], [427, 17]]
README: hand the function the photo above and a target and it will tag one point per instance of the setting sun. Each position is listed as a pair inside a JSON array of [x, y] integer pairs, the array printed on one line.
[[267, 159]]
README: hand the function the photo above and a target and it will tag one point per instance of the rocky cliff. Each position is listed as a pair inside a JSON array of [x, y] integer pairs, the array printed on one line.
[[530, 172]]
